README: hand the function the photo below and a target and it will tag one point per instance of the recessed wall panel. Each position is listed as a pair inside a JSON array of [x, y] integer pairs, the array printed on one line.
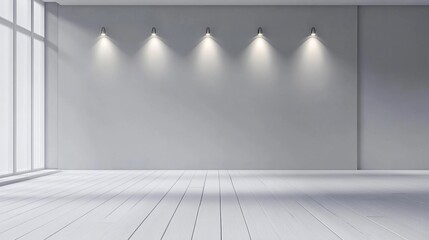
[[394, 73]]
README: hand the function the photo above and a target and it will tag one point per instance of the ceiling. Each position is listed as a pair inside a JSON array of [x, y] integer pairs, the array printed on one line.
[[241, 2]]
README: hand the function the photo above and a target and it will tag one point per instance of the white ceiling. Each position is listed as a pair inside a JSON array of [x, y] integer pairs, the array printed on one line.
[[241, 2]]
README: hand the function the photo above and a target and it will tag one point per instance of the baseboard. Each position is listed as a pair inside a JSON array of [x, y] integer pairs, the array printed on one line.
[[26, 176]]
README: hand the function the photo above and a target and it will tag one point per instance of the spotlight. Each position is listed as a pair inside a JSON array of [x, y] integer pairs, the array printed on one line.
[[260, 31], [103, 31], [153, 31], [208, 31], [313, 31]]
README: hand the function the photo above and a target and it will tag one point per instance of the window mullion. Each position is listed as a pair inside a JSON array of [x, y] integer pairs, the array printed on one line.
[[32, 87], [14, 87]]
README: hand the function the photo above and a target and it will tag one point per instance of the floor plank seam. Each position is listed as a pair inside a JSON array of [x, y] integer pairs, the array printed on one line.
[[364, 216], [36, 190], [145, 195], [27, 220], [323, 224], [217, 205], [351, 209], [177, 207], [388, 229], [239, 204], [47, 202], [51, 235], [121, 177], [125, 200], [155, 206], [264, 212], [199, 206]]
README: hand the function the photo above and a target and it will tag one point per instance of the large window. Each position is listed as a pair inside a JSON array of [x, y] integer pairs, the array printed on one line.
[[38, 104], [22, 86], [6, 99]]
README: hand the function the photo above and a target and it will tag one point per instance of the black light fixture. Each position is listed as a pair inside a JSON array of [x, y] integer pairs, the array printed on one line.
[[153, 31], [313, 31], [260, 33], [103, 31], [208, 33]]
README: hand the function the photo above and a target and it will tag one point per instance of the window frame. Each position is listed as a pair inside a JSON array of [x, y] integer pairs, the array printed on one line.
[[13, 24]]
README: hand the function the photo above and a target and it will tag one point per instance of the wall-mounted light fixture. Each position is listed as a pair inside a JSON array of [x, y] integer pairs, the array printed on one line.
[[313, 31], [208, 31], [260, 33]]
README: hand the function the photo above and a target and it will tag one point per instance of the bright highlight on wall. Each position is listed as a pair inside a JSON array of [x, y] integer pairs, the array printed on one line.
[[22, 137], [312, 62], [106, 58], [261, 60], [209, 60], [154, 59]]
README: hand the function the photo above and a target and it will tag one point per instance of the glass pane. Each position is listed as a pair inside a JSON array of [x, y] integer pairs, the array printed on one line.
[[6, 99], [39, 18], [38, 104], [23, 9], [6, 9], [23, 102]]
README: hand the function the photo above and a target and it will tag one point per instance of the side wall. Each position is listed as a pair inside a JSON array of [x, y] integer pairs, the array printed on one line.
[[394, 87], [51, 84]]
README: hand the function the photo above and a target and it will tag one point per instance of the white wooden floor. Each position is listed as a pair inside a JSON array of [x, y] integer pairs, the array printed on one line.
[[227, 205]]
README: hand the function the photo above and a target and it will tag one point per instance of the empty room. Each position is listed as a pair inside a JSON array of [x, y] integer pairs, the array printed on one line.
[[214, 119]]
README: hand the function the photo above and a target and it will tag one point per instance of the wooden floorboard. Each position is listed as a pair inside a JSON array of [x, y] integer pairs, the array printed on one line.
[[128, 225], [208, 224], [234, 225], [43, 213], [71, 213], [181, 226], [260, 225], [219, 205]]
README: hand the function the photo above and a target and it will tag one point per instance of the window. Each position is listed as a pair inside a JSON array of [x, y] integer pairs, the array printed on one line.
[[6, 99], [6, 9], [22, 86], [23, 13], [23, 102], [38, 104], [39, 18]]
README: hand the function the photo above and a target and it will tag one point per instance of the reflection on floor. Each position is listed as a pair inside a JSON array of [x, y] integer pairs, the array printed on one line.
[[206, 205]]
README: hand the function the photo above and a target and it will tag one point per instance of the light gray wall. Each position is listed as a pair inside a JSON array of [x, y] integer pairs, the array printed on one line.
[[131, 102], [394, 87], [51, 84]]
